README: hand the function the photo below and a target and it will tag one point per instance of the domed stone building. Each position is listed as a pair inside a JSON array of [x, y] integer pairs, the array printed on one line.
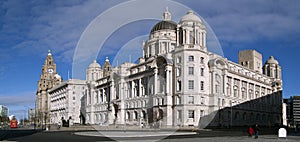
[[179, 83]]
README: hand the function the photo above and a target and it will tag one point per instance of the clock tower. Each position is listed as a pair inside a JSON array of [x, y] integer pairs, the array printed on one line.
[[48, 79]]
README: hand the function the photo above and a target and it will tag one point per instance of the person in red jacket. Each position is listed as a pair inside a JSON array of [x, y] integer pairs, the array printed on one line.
[[250, 131]]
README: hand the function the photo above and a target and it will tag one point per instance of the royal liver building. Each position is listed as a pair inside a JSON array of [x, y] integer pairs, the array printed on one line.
[[177, 82]]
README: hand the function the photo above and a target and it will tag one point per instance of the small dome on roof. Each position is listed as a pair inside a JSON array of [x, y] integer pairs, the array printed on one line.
[[94, 65], [272, 60], [190, 16], [57, 76], [166, 23]]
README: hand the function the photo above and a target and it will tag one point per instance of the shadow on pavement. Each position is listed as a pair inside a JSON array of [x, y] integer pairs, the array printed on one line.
[[6, 134]]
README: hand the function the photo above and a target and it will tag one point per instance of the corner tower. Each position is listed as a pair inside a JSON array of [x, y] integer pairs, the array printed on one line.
[[273, 70], [190, 59], [94, 72]]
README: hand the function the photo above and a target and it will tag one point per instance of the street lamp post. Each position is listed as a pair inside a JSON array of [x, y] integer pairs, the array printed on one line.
[[24, 117]]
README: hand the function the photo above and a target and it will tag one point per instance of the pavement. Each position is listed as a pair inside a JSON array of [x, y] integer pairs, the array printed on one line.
[[177, 136], [94, 134]]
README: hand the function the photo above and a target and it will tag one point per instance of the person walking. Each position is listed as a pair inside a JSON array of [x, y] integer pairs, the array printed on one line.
[[58, 125], [250, 131], [256, 130]]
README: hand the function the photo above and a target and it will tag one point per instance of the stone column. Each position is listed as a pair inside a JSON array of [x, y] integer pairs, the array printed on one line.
[[140, 87], [204, 39], [224, 82], [112, 90], [132, 89], [155, 81], [167, 80]]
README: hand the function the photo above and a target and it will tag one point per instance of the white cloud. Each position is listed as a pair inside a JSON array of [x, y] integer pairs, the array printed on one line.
[[19, 99], [248, 21]]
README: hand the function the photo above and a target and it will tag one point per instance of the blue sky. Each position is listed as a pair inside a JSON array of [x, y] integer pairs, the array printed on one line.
[[28, 29]]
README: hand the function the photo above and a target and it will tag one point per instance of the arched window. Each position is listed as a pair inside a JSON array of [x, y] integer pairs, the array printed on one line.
[[135, 115], [244, 116], [201, 60], [228, 89], [237, 116], [143, 114], [244, 95], [128, 115], [250, 94], [180, 36], [191, 58], [235, 91]]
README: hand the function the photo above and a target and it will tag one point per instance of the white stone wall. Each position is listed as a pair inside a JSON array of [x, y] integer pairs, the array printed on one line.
[[65, 101]]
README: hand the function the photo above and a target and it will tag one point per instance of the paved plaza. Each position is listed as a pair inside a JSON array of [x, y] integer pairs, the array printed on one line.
[[170, 136], [97, 134]]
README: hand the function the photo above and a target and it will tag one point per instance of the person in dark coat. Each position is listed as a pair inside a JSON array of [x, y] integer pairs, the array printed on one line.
[[256, 130]]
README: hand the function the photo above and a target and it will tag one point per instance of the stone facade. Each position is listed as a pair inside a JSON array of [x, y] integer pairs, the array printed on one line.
[[293, 111], [67, 101], [3, 111], [177, 82]]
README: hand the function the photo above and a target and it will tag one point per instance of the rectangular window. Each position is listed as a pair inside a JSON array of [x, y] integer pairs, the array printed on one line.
[[178, 71], [178, 100], [191, 114], [178, 85], [191, 70], [202, 100], [235, 93], [201, 113], [202, 71], [191, 58], [179, 115], [192, 37], [178, 60], [202, 85], [191, 100], [191, 84]]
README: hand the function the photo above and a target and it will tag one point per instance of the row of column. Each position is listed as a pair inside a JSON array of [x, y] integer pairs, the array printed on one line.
[[199, 35]]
